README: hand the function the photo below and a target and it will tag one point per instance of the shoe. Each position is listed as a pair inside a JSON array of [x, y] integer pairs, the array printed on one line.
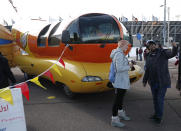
[[152, 117], [158, 120], [115, 121], [123, 116]]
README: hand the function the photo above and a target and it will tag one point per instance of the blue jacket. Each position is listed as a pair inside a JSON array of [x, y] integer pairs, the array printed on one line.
[[122, 67]]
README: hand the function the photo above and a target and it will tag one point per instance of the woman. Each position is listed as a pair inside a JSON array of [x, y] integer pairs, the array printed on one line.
[[121, 83]]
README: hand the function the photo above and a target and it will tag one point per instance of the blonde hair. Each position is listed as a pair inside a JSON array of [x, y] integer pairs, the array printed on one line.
[[122, 43]]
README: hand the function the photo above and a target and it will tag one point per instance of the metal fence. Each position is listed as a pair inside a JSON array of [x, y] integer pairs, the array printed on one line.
[[154, 30]]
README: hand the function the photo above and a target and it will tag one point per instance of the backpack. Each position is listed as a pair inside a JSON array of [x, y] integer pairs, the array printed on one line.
[[112, 73]]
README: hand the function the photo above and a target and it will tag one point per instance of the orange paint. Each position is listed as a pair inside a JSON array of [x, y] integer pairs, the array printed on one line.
[[99, 83], [72, 81], [91, 52]]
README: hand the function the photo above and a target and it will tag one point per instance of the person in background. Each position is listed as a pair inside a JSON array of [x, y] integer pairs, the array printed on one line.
[[178, 87], [136, 53], [145, 54], [121, 84], [177, 57], [177, 61], [140, 52], [5, 72], [158, 77]]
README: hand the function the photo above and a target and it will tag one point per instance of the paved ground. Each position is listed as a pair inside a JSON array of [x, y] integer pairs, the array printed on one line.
[[92, 112]]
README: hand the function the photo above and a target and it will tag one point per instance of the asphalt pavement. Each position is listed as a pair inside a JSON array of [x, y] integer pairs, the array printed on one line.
[[92, 112]]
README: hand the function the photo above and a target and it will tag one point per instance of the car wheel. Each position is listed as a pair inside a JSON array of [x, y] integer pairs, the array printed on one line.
[[68, 92], [27, 77]]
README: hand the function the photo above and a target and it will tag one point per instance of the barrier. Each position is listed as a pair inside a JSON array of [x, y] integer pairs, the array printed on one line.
[[12, 116]]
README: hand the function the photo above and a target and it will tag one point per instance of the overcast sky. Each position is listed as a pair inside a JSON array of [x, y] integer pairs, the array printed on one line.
[[72, 8], [63, 8]]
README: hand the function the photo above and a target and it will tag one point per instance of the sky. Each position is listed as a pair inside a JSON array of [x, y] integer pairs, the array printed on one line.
[[73, 8]]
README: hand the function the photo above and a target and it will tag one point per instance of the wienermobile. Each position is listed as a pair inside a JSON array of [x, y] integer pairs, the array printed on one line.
[[91, 38]]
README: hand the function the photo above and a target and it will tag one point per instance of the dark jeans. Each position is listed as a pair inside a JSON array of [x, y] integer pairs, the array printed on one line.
[[118, 100], [140, 55], [136, 57], [4, 84], [158, 100]]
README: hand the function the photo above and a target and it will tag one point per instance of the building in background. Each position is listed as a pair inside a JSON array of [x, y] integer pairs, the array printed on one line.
[[153, 30]]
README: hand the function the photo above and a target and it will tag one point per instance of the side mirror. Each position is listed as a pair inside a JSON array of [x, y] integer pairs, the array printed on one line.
[[66, 37]]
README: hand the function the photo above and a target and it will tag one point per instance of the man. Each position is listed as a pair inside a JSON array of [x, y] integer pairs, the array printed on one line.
[[157, 76], [5, 72], [136, 53]]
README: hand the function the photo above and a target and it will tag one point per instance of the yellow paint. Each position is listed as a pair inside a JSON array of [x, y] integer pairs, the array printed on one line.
[[73, 71], [55, 69], [6, 95], [51, 97]]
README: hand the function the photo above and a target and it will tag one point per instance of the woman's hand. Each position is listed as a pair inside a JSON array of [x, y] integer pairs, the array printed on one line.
[[131, 66]]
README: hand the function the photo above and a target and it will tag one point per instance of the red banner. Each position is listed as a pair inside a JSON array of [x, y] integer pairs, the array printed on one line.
[[24, 89]]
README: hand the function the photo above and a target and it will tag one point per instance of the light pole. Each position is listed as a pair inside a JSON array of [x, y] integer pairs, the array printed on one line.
[[164, 23], [164, 28], [168, 39]]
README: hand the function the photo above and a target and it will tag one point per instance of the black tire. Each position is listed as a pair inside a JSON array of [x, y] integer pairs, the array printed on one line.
[[68, 92], [27, 77]]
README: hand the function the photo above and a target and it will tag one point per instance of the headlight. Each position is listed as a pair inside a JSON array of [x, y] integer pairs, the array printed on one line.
[[91, 79]]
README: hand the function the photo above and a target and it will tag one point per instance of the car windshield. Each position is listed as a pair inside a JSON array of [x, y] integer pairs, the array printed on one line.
[[98, 29]]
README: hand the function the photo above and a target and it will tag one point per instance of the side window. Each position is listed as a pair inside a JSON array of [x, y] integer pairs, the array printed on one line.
[[54, 39], [42, 37], [73, 28], [42, 41]]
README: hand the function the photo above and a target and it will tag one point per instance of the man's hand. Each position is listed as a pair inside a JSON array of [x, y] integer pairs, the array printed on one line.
[[144, 84]]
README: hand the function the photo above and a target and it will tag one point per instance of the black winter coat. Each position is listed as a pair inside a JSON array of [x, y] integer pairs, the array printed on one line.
[[5, 73], [157, 67]]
